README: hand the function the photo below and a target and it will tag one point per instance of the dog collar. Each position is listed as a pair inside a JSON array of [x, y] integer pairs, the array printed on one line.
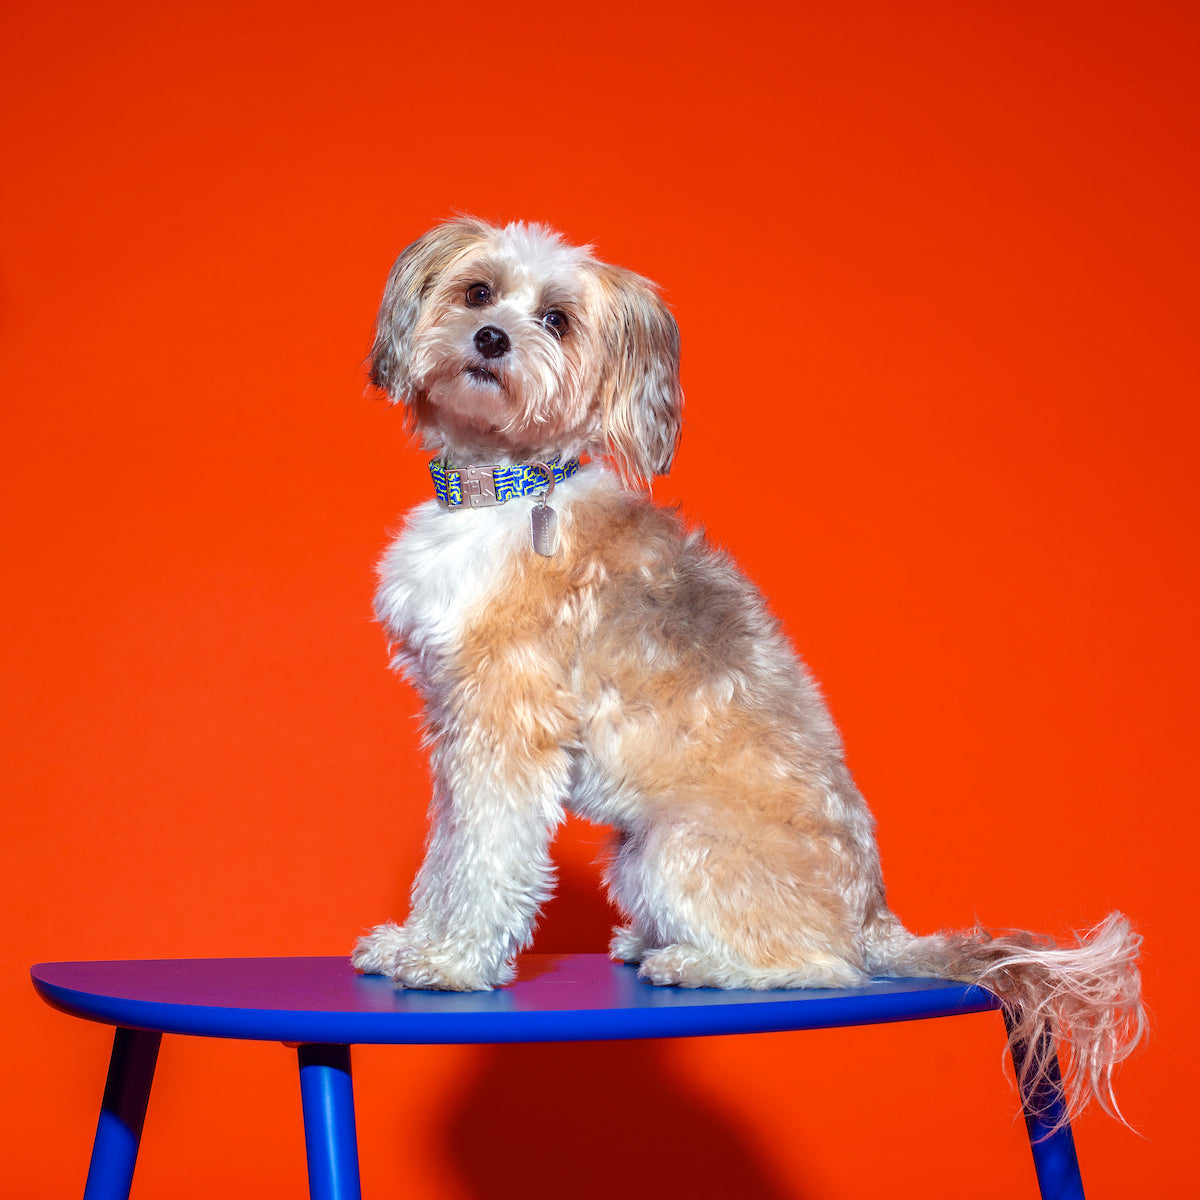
[[483, 487]]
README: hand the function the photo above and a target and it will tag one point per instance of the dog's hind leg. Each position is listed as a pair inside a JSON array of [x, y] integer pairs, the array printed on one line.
[[712, 905]]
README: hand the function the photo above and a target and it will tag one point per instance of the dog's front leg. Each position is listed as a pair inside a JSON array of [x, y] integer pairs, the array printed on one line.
[[487, 871]]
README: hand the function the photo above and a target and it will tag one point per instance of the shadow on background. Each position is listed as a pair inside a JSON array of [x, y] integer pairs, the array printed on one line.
[[593, 1119]]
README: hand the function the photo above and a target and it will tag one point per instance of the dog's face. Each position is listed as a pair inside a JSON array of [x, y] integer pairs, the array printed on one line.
[[506, 341]]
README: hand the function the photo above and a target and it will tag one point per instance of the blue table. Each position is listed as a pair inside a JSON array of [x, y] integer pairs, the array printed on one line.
[[323, 1007]]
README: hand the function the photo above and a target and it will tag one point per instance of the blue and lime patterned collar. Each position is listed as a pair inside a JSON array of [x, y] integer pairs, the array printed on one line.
[[483, 487]]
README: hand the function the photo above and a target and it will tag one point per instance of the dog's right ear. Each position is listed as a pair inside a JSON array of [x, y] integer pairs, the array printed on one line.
[[409, 281]]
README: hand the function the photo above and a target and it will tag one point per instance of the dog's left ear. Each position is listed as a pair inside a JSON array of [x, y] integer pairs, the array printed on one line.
[[640, 394]]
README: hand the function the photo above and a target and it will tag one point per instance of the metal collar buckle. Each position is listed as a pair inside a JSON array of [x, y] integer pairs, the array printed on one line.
[[476, 487]]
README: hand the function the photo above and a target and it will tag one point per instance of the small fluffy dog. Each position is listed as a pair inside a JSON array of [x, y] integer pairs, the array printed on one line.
[[578, 647]]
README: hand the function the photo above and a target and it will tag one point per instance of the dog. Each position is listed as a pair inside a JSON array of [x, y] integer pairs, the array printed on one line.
[[578, 647]]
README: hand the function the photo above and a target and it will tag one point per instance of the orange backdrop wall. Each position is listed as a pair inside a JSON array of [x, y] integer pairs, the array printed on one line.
[[935, 267]]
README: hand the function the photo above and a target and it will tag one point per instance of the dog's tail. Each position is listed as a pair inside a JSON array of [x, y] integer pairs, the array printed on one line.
[[1085, 996]]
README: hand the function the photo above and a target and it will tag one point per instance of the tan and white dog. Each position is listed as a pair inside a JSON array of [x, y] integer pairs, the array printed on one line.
[[577, 647]]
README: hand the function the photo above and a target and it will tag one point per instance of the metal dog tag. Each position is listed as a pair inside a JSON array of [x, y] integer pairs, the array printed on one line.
[[544, 521]]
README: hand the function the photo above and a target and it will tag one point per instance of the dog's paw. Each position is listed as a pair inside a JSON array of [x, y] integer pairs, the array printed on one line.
[[433, 972], [687, 966], [414, 963], [627, 945], [680, 966], [375, 952]]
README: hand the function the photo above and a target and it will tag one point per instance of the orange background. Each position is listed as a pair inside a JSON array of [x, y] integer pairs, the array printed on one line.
[[935, 267]]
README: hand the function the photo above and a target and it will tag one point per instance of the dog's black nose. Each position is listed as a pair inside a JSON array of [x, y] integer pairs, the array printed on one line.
[[491, 342]]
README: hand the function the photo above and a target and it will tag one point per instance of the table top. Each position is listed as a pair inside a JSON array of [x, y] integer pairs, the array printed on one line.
[[555, 998]]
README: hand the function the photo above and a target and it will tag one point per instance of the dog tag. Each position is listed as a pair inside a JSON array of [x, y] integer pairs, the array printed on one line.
[[545, 529]]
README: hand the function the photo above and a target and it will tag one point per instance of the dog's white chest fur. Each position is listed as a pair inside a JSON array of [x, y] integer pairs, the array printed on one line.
[[441, 569], [446, 566]]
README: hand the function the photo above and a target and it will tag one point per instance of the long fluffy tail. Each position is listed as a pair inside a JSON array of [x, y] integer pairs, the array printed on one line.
[[1088, 996]]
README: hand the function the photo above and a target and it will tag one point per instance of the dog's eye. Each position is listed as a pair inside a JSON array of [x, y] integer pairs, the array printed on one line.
[[479, 294], [556, 322]]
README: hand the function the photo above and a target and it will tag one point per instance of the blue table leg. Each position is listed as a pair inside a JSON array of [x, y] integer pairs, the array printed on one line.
[[1054, 1157], [327, 1094], [122, 1114]]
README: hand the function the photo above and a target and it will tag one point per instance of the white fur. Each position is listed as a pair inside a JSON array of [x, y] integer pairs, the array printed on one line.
[[445, 565]]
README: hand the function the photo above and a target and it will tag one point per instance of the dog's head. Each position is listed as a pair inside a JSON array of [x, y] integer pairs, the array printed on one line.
[[507, 341]]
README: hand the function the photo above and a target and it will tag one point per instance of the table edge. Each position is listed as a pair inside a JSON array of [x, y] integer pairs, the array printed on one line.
[[515, 1025]]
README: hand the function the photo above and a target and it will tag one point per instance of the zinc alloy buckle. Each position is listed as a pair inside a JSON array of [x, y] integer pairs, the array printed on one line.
[[476, 486]]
